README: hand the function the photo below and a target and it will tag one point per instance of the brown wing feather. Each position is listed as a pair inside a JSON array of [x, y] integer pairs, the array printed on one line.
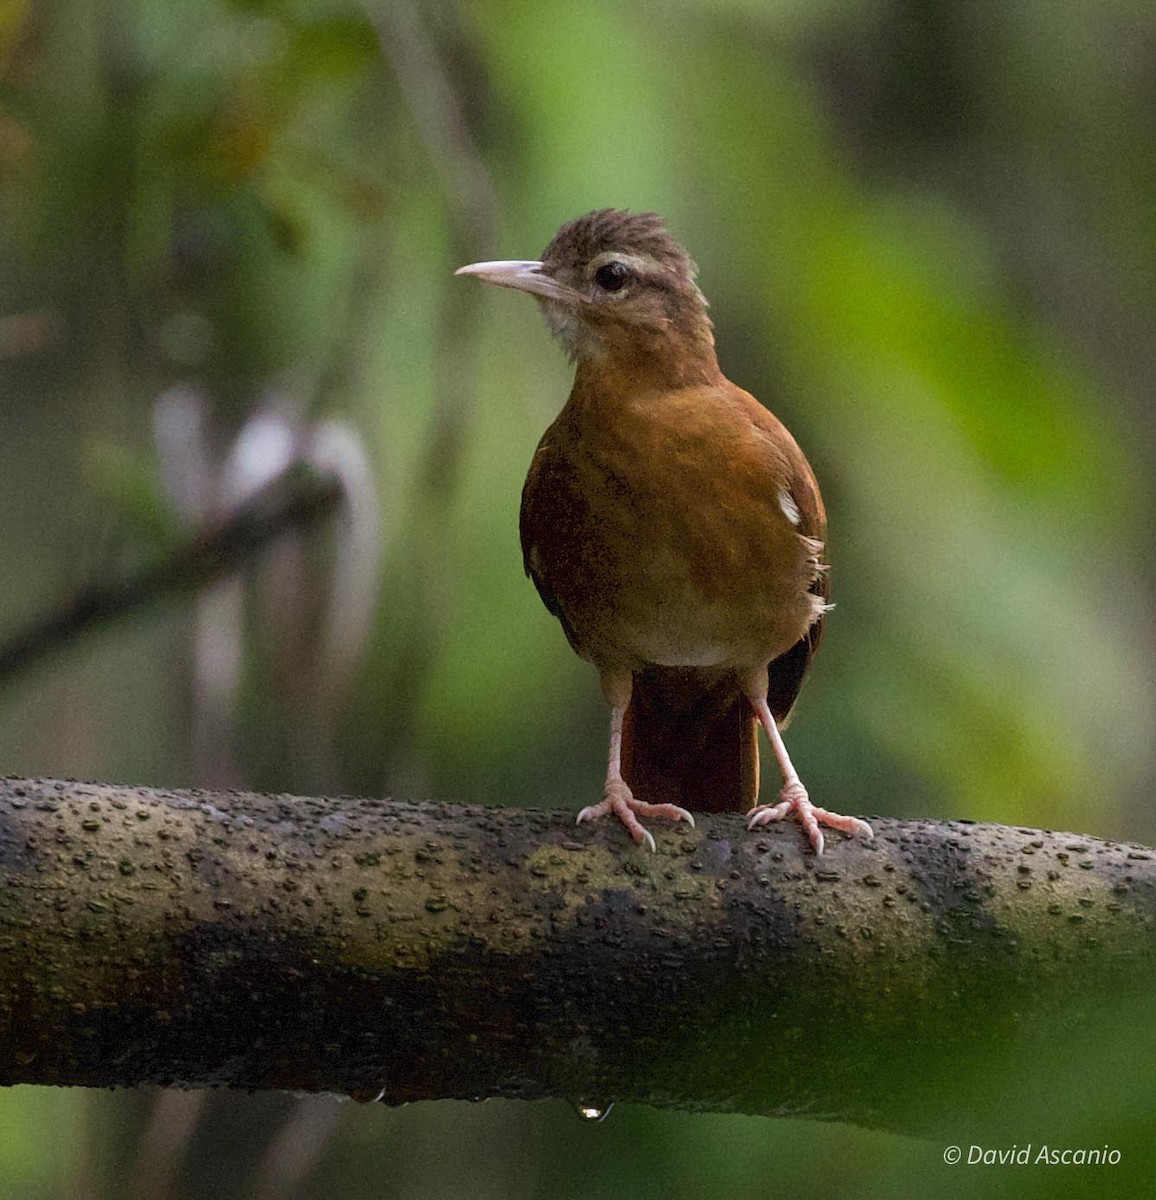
[[548, 499], [787, 672]]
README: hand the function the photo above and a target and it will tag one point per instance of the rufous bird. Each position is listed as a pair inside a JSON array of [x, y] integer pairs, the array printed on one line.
[[674, 527]]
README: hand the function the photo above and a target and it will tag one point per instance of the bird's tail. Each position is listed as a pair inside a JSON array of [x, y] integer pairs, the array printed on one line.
[[690, 742]]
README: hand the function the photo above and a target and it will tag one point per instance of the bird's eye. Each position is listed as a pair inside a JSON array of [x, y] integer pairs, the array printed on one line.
[[612, 277]]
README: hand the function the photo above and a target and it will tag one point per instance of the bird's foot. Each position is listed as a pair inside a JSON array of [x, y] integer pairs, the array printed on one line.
[[793, 799], [620, 801]]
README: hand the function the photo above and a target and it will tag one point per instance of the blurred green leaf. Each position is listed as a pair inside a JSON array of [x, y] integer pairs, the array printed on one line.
[[125, 480]]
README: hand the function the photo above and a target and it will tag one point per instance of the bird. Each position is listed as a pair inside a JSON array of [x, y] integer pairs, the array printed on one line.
[[674, 527]]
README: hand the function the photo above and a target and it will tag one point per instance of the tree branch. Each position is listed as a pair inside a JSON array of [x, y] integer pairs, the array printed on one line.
[[292, 501], [410, 952]]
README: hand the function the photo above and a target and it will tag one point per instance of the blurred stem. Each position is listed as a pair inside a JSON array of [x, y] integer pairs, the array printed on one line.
[[438, 112], [292, 501], [438, 101], [414, 952], [296, 1149], [431, 95], [163, 1144]]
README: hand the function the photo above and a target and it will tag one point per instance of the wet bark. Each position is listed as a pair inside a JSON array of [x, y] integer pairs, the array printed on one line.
[[405, 952]]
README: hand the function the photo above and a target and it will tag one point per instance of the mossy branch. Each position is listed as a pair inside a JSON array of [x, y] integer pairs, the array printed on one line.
[[407, 952]]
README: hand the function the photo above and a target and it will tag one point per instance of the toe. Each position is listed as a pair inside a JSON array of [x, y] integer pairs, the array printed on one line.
[[811, 828], [766, 813], [846, 824], [670, 812], [635, 828], [793, 799]]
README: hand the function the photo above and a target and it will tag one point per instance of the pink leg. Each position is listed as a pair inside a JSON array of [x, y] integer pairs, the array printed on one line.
[[793, 798], [618, 797]]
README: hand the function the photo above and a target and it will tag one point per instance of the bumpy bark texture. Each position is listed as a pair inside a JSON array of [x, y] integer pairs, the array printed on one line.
[[406, 952]]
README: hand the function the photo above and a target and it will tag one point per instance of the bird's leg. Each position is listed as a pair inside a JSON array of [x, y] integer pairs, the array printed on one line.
[[618, 798], [793, 797]]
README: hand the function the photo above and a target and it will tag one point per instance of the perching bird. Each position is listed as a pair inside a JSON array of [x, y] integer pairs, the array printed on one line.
[[673, 526]]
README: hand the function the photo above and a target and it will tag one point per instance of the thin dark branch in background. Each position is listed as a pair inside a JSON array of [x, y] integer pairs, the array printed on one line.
[[295, 500]]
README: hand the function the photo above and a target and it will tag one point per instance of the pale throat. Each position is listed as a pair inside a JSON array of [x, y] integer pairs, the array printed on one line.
[[669, 355]]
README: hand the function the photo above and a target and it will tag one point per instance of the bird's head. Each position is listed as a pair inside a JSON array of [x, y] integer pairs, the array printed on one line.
[[613, 283]]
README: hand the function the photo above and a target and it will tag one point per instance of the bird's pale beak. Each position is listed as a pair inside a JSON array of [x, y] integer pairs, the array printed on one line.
[[524, 275]]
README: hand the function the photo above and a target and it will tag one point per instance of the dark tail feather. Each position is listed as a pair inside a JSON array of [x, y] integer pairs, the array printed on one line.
[[690, 743]]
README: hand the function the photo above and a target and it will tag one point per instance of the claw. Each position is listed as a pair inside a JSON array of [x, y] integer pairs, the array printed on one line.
[[793, 799], [620, 801]]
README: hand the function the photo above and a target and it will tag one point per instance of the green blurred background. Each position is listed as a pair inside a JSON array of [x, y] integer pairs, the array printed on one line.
[[928, 233]]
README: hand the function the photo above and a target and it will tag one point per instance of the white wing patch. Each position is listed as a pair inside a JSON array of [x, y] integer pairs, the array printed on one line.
[[789, 507]]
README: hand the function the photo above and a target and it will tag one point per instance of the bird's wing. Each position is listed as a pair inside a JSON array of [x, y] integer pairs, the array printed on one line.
[[547, 503], [787, 672]]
